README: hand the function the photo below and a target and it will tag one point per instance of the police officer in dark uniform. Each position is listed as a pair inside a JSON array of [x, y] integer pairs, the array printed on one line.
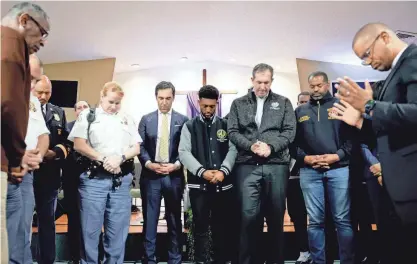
[[47, 179], [70, 182], [208, 155]]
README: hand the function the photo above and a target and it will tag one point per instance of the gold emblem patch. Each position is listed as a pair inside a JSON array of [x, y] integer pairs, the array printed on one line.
[[32, 107], [221, 135], [330, 111], [303, 118], [59, 131]]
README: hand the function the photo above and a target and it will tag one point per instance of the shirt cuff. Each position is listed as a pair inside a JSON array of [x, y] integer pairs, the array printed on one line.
[[178, 164], [225, 170], [200, 172], [147, 163]]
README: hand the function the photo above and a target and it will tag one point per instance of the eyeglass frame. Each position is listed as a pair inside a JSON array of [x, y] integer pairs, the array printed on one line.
[[44, 33], [367, 55]]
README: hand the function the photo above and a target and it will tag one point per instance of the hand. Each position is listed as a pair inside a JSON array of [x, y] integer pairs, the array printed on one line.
[[380, 180], [352, 93], [264, 150], [376, 169], [112, 163], [156, 167], [50, 155], [316, 162], [169, 167], [346, 113], [330, 158], [218, 177], [113, 170], [209, 175], [16, 176], [255, 147], [32, 159]]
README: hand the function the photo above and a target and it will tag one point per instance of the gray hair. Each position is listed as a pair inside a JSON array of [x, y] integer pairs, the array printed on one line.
[[27, 7], [317, 74], [262, 67]]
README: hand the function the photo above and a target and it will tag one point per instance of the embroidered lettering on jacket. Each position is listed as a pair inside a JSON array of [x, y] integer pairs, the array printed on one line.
[[303, 118]]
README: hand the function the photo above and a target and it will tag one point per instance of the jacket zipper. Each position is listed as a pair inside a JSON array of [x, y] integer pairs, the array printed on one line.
[[318, 111]]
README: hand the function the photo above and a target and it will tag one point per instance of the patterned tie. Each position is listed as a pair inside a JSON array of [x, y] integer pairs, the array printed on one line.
[[163, 142]]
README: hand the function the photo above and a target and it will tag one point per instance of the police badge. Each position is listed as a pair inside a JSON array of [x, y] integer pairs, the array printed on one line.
[[56, 117]]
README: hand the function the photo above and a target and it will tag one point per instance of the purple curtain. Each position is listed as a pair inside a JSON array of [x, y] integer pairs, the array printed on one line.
[[193, 109]]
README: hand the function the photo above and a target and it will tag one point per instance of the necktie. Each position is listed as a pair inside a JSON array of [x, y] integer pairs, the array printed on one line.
[[163, 142], [44, 111]]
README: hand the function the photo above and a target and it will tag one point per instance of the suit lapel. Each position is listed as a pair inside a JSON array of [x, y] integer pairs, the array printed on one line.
[[394, 70], [171, 131], [154, 125], [49, 113]]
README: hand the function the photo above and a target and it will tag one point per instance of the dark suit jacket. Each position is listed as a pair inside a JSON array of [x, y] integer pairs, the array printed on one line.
[[70, 125], [148, 130], [394, 123], [49, 173]]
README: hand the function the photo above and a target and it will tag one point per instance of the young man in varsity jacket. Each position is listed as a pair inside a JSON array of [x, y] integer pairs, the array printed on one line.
[[209, 157]]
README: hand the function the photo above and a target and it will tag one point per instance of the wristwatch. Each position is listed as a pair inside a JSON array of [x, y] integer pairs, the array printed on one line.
[[123, 158], [369, 106]]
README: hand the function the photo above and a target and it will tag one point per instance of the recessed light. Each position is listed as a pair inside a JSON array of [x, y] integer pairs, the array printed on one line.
[[183, 58], [232, 59], [135, 65]]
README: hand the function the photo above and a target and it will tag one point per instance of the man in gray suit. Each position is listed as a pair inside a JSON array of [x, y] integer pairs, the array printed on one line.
[[162, 174]]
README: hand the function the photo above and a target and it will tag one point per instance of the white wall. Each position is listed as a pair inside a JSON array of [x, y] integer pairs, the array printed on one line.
[[139, 85]]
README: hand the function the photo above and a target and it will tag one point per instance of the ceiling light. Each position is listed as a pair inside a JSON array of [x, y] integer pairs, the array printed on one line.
[[135, 65], [183, 58]]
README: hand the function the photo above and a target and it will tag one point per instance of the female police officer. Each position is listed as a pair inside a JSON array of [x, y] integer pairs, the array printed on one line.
[[107, 139]]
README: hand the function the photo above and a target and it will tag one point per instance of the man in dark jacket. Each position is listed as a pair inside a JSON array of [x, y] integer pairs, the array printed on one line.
[[209, 157], [262, 125], [324, 150]]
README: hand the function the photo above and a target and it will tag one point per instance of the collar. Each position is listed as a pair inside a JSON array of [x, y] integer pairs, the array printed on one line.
[[325, 98], [100, 110], [212, 119], [394, 62], [169, 112], [253, 96]]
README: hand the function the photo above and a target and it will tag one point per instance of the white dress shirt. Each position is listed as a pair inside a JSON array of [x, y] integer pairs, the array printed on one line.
[[110, 134], [259, 109], [394, 62], [36, 123]]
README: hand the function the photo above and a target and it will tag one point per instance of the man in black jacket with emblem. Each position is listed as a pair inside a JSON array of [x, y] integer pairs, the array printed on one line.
[[262, 125], [209, 157], [47, 180]]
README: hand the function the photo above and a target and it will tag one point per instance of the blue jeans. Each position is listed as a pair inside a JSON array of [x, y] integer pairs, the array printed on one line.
[[20, 251], [336, 182], [13, 213], [101, 205]]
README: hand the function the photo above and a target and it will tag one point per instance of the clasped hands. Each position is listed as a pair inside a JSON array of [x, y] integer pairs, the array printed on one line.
[[261, 149], [30, 161], [321, 161], [112, 164], [163, 168], [213, 176]]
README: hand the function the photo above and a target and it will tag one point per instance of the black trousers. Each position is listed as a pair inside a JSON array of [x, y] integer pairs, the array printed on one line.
[[398, 240], [298, 213], [261, 192], [70, 183], [214, 210], [362, 220]]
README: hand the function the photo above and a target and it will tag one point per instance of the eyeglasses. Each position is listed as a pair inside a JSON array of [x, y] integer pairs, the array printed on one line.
[[44, 33], [366, 58]]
